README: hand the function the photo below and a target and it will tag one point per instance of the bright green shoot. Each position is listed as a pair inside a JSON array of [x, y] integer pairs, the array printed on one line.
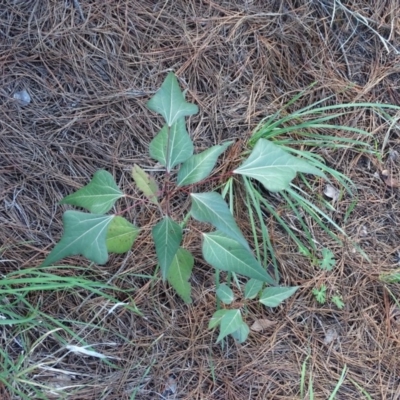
[[98, 231]]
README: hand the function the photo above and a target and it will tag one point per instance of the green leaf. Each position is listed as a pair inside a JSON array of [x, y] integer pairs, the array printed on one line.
[[225, 293], [120, 235], [320, 294], [227, 254], [273, 296], [211, 208], [274, 167], [390, 277], [167, 236], [170, 102], [179, 273], [98, 196], [328, 260], [177, 150], [216, 318], [242, 333], [252, 288], [84, 234], [338, 301], [230, 322], [199, 166], [146, 183]]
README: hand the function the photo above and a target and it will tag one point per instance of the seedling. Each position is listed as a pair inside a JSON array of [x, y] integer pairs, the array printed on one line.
[[337, 300], [327, 263], [320, 294], [322, 297]]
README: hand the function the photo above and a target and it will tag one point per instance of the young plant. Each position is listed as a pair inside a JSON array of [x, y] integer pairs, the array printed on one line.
[[328, 260], [321, 297], [320, 294], [95, 234], [337, 300], [327, 263]]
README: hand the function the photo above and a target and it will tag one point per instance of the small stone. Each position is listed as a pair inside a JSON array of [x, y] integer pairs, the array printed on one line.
[[22, 97]]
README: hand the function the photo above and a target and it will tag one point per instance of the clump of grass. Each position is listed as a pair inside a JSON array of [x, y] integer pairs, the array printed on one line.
[[26, 328], [298, 133]]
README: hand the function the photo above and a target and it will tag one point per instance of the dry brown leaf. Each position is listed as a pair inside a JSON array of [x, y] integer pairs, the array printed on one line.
[[330, 336], [261, 324], [363, 231], [388, 179], [170, 388], [393, 155], [331, 192]]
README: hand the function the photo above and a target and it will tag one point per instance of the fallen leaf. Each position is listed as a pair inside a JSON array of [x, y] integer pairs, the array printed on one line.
[[59, 381], [388, 179], [331, 192], [393, 155], [169, 388], [330, 336], [363, 231], [261, 324]]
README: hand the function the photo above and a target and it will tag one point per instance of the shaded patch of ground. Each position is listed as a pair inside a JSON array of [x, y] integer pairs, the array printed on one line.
[[89, 67]]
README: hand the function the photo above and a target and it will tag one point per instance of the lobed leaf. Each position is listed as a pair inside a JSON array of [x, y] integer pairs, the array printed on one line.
[[179, 273], [274, 167], [328, 260], [121, 235], [84, 234], [199, 166], [211, 208], [167, 236], [98, 196], [273, 296], [174, 151], [227, 254], [320, 294], [338, 301], [146, 183], [170, 102]]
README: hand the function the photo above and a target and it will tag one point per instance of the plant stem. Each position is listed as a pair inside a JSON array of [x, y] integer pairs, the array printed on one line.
[[166, 191], [167, 174]]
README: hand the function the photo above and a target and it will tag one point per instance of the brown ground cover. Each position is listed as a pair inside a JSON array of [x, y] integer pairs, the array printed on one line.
[[89, 67]]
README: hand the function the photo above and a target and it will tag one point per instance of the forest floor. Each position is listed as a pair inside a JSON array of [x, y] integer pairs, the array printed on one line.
[[88, 68]]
